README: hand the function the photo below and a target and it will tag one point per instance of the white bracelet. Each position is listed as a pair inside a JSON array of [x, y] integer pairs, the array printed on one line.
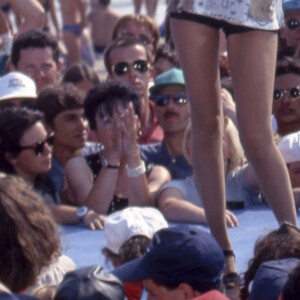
[[136, 172]]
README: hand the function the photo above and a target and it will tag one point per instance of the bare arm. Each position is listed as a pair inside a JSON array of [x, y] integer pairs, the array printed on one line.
[[157, 178], [54, 17], [32, 12], [82, 4], [65, 214], [176, 209]]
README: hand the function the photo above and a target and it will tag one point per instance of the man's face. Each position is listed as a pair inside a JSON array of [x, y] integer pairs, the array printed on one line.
[[294, 171], [173, 117], [137, 79], [158, 292], [291, 32], [287, 109], [70, 127], [38, 63]]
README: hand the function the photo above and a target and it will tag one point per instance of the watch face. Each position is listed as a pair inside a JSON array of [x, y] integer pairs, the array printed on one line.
[[81, 212]]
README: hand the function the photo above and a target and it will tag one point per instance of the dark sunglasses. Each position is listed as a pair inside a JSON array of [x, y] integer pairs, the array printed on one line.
[[25, 104], [123, 67], [39, 147], [292, 24], [294, 92], [163, 100], [142, 37]]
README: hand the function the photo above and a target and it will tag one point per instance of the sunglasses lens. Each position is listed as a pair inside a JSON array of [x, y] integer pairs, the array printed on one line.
[[180, 99], [294, 92], [144, 39], [277, 94], [39, 148], [161, 100], [50, 140], [121, 68], [292, 24], [141, 65]]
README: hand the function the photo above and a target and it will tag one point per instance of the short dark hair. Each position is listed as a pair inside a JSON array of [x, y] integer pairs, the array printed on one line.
[[54, 99], [291, 289], [34, 38], [80, 72], [121, 42], [14, 121], [171, 55], [104, 97], [287, 65]]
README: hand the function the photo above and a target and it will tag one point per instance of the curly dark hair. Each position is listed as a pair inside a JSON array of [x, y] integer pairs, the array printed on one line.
[[104, 97], [14, 121], [34, 38], [28, 234], [278, 244], [287, 65], [54, 99]]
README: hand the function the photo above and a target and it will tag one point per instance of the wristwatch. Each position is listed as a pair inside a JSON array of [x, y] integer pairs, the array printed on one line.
[[81, 212]]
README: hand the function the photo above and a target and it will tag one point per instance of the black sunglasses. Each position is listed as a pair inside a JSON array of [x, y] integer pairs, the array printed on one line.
[[163, 100], [25, 104], [123, 67], [294, 92], [142, 37], [39, 147], [292, 24]]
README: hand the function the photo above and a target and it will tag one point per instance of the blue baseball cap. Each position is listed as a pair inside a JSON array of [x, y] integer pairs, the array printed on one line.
[[289, 5], [178, 254], [270, 278], [172, 77]]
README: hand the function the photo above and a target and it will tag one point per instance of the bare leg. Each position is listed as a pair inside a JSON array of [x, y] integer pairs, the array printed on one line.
[[198, 47], [151, 7], [252, 58], [73, 46], [137, 6]]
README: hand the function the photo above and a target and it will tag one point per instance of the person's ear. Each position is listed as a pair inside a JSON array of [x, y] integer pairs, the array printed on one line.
[[11, 158], [187, 291], [59, 66]]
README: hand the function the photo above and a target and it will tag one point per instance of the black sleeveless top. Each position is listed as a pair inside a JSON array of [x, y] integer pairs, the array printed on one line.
[[95, 164]]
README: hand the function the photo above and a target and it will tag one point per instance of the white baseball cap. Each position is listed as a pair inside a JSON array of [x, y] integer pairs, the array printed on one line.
[[289, 146], [17, 85], [122, 225]]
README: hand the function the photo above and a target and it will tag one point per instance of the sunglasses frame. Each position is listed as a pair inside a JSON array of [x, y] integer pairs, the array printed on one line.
[[290, 26], [284, 91], [39, 146], [166, 99], [134, 65]]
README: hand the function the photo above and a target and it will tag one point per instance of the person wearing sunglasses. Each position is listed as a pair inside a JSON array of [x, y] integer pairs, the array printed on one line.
[[173, 114], [26, 150], [286, 96], [127, 59], [140, 27], [16, 89], [291, 30]]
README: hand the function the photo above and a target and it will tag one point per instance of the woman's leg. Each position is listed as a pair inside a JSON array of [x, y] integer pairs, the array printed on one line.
[[252, 57], [198, 45]]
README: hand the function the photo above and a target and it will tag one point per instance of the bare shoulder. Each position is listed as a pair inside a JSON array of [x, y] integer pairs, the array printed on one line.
[[76, 163]]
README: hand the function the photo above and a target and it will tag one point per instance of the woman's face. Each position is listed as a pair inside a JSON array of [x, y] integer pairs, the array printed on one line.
[[106, 126], [33, 161]]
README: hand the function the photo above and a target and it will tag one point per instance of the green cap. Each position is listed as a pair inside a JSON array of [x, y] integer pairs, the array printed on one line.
[[169, 78]]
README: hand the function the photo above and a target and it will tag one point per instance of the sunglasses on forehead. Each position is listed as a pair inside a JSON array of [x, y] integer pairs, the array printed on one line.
[[39, 147], [142, 37], [121, 68], [163, 100], [293, 92], [292, 24]]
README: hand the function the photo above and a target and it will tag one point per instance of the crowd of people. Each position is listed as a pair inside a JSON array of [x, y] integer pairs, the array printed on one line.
[[179, 130]]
